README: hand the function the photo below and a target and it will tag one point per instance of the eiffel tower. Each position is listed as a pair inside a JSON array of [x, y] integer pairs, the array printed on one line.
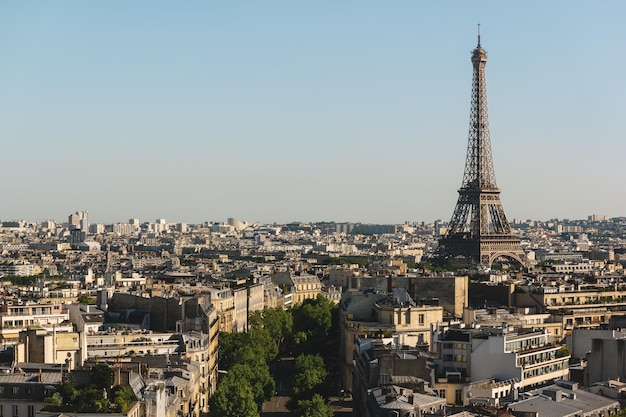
[[479, 230]]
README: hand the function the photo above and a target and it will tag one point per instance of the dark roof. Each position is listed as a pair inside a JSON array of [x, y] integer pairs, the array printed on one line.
[[456, 336], [93, 317]]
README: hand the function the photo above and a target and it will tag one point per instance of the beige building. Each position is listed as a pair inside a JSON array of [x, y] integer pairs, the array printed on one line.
[[394, 316], [223, 300], [15, 318], [450, 292], [554, 298], [52, 347], [246, 300], [305, 287], [121, 344], [301, 287]]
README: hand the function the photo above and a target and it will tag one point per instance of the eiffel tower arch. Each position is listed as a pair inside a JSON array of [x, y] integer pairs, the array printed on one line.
[[479, 230]]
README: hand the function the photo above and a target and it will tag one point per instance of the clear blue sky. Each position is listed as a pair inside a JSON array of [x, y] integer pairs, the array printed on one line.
[[278, 111]]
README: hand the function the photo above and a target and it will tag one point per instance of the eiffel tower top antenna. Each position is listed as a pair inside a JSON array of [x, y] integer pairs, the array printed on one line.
[[479, 35]]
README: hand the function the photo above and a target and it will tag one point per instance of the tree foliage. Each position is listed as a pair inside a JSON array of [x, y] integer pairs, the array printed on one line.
[[277, 321], [235, 347], [307, 329], [310, 373], [86, 299], [312, 324], [93, 398], [259, 378], [102, 376], [123, 396], [315, 407], [233, 398]]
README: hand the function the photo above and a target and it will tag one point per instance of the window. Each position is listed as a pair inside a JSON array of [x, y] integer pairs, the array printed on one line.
[[31, 411], [421, 319], [16, 390], [15, 410]]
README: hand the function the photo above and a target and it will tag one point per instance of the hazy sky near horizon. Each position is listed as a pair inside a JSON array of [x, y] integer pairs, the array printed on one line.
[[278, 111]]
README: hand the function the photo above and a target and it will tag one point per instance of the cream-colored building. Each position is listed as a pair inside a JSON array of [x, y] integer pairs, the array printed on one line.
[[44, 346], [120, 344], [370, 314], [300, 287], [304, 287], [550, 298], [223, 301], [15, 318]]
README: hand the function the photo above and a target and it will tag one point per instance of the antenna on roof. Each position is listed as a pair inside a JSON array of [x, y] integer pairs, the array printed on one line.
[[479, 34]]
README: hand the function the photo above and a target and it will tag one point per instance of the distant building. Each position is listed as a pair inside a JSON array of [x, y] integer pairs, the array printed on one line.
[[89, 247], [598, 218], [79, 220], [302, 287]]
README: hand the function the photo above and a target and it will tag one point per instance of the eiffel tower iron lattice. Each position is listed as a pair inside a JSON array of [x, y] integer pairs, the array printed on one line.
[[479, 229]]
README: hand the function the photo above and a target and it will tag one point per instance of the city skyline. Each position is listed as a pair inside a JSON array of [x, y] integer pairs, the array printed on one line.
[[279, 112]]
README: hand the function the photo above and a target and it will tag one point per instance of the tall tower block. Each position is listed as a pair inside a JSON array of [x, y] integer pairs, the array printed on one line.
[[479, 229]]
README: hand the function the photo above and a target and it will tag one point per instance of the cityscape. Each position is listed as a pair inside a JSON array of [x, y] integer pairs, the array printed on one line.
[[475, 314]]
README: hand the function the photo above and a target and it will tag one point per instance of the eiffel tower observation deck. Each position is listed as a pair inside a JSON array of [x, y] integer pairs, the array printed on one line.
[[479, 230]]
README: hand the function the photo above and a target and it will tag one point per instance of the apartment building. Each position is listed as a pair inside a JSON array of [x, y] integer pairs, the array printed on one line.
[[468, 355], [369, 314], [22, 393], [15, 318], [301, 287], [51, 347]]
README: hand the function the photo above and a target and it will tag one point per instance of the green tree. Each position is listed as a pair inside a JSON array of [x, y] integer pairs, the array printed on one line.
[[233, 398], [229, 342], [310, 373], [90, 400], [68, 391], [277, 321], [123, 396], [258, 375], [102, 376], [233, 346], [312, 323], [262, 342], [85, 299], [316, 407]]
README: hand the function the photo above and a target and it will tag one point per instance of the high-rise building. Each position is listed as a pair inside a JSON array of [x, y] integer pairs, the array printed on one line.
[[79, 220], [479, 230]]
